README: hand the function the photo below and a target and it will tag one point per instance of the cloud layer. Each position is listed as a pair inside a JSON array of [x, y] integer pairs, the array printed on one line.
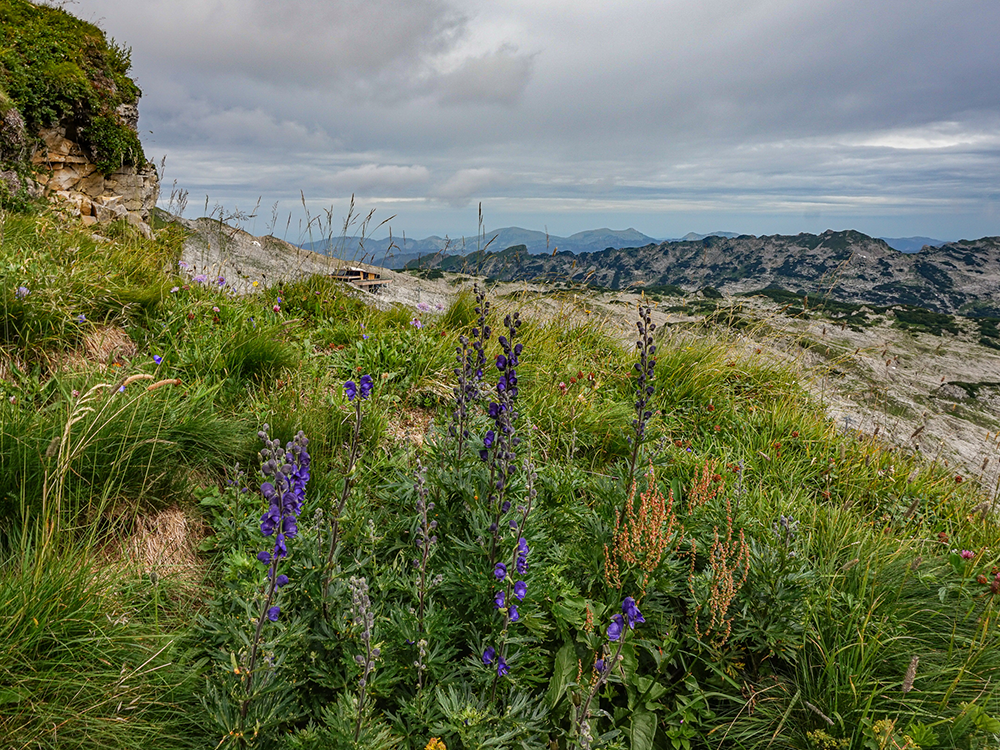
[[758, 116]]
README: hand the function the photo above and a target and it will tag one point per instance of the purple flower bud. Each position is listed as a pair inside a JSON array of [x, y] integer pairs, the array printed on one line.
[[351, 389], [502, 667], [498, 600], [281, 580], [264, 557], [272, 613], [489, 655], [500, 571], [512, 612], [520, 590], [599, 666]]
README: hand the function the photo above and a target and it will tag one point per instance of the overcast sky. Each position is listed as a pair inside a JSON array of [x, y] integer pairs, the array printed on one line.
[[757, 116]]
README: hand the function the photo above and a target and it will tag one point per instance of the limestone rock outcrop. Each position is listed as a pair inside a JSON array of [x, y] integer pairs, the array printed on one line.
[[65, 172]]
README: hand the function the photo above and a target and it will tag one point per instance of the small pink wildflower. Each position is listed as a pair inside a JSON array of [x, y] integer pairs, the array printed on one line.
[[967, 554]]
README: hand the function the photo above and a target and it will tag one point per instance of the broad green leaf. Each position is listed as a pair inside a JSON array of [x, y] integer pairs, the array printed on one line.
[[642, 729], [563, 673]]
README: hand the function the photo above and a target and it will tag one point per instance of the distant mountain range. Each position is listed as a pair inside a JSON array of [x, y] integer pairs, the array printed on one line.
[[849, 266], [911, 244], [397, 252]]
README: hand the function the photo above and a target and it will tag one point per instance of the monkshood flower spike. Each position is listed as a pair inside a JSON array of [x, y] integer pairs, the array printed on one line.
[[644, 389], [500, 441], [286, 471], [619, 626], [471, 359], [356, 393]]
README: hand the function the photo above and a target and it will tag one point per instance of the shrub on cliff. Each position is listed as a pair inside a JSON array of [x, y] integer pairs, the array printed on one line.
[[61, 71]]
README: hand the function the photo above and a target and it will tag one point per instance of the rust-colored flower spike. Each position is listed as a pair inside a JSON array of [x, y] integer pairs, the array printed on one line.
[[643, 536], [730, 562], [705, 486]]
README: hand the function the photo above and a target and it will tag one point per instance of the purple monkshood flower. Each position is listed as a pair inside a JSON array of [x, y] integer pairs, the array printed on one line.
[[500, 571], [501, 667], [22, 292], [499, 599], [264, 557], [512, 613], [520, 590], [632, 612], [273, 612], [599, 666], [363, 389], [281, 580], [489, 655], [616, 627]]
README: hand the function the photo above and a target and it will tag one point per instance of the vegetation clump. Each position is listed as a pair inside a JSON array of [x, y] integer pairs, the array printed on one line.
[[57, 70]]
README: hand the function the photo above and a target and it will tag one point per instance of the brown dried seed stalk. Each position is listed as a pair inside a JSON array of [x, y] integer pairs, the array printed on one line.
[[643, 536]]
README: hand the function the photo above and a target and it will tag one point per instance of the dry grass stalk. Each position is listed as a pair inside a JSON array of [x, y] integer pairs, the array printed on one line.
[[643, 537]]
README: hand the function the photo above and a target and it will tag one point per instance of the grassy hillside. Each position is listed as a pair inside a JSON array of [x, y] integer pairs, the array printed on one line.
[[715, 566]]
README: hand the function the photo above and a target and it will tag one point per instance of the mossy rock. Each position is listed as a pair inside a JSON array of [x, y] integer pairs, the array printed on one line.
[[60, 71]]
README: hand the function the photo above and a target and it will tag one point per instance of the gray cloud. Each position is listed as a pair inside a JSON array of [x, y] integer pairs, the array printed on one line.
[[496, 78]]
